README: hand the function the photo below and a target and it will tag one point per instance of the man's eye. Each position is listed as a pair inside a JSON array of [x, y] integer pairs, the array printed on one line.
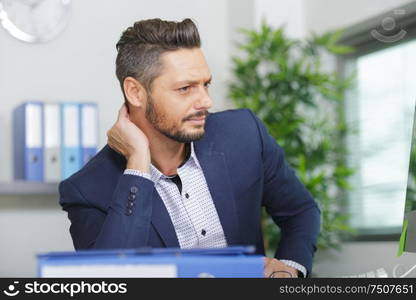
[[207, 84], [184, 89]]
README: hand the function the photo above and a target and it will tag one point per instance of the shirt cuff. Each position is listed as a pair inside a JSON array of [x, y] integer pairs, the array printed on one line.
[[137, 173], [294, 265]]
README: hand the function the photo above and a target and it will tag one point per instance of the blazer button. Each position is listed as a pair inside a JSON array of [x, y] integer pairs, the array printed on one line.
[[132, 197], [130, 204], [129, 212], [134, 189]]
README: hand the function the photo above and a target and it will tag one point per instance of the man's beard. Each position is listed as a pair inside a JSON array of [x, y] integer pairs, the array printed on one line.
[[159, 122]]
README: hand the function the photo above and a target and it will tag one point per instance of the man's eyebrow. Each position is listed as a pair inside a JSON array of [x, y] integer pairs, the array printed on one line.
[[190, 82]]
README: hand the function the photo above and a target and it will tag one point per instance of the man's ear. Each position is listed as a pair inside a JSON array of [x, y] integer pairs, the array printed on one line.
[[135, 92]]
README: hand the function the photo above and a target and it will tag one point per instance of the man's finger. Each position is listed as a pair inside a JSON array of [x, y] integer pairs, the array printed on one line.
[[268, 271], [268, 267], [276, 269]]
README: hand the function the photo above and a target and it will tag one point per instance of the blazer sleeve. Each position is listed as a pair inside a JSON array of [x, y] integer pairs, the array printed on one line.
[[126, 222], [289, 203]]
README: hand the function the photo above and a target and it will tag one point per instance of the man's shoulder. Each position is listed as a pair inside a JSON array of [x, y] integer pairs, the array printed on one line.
[[239, 114], [231, 128], [231, 119], [99, 174]]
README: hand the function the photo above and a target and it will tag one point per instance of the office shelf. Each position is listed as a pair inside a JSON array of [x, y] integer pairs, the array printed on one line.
[[21, 188]]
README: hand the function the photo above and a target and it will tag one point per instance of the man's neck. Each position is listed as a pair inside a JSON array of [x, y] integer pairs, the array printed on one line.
[[166, 154]]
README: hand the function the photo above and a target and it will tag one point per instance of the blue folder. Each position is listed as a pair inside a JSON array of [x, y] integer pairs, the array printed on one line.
[[233, 262], [52, 142], [71, 142], [89, 131], [28, 141]]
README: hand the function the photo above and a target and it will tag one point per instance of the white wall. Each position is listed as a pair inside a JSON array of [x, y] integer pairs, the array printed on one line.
[[79, 65], [290, 14], [30, 226], [324, 15]]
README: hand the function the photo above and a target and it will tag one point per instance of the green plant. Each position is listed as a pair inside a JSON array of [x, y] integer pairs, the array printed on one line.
[[283, 81]]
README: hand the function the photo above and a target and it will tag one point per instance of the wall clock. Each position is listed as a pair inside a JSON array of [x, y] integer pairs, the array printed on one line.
[[34, 21]]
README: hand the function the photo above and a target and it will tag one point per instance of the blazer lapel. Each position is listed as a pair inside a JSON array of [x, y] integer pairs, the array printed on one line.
[[216, 174], [162, 222]]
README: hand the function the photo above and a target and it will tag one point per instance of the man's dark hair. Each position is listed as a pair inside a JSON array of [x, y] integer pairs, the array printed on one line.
[[141, 45]]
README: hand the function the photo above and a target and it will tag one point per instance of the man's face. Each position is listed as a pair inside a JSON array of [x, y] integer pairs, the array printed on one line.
[[179, 101]]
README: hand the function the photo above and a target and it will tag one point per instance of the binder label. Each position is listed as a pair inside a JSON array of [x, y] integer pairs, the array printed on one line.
[[33, 126]]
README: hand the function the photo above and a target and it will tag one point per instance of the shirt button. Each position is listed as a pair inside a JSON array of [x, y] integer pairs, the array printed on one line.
[[186, 195], [203, 232], [134, 189]]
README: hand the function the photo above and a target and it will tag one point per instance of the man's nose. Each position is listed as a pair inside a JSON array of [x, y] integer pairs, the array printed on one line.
[[204, 100]]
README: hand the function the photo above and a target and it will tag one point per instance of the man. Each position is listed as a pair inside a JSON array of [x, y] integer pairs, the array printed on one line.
[[174, 175]]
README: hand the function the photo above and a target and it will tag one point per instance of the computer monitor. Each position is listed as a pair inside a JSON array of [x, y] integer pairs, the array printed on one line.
[[408, 236]]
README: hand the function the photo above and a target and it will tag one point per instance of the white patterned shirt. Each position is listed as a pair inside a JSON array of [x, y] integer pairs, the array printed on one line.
[[192, 212]]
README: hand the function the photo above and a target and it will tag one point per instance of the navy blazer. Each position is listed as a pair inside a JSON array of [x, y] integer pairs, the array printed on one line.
[[245, 169]]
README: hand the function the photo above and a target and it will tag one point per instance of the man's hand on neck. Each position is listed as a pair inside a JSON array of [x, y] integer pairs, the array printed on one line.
[[129, 140]]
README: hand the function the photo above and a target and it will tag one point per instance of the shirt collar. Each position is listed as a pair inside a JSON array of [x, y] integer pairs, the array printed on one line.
[[156, 175], [193, 156]]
